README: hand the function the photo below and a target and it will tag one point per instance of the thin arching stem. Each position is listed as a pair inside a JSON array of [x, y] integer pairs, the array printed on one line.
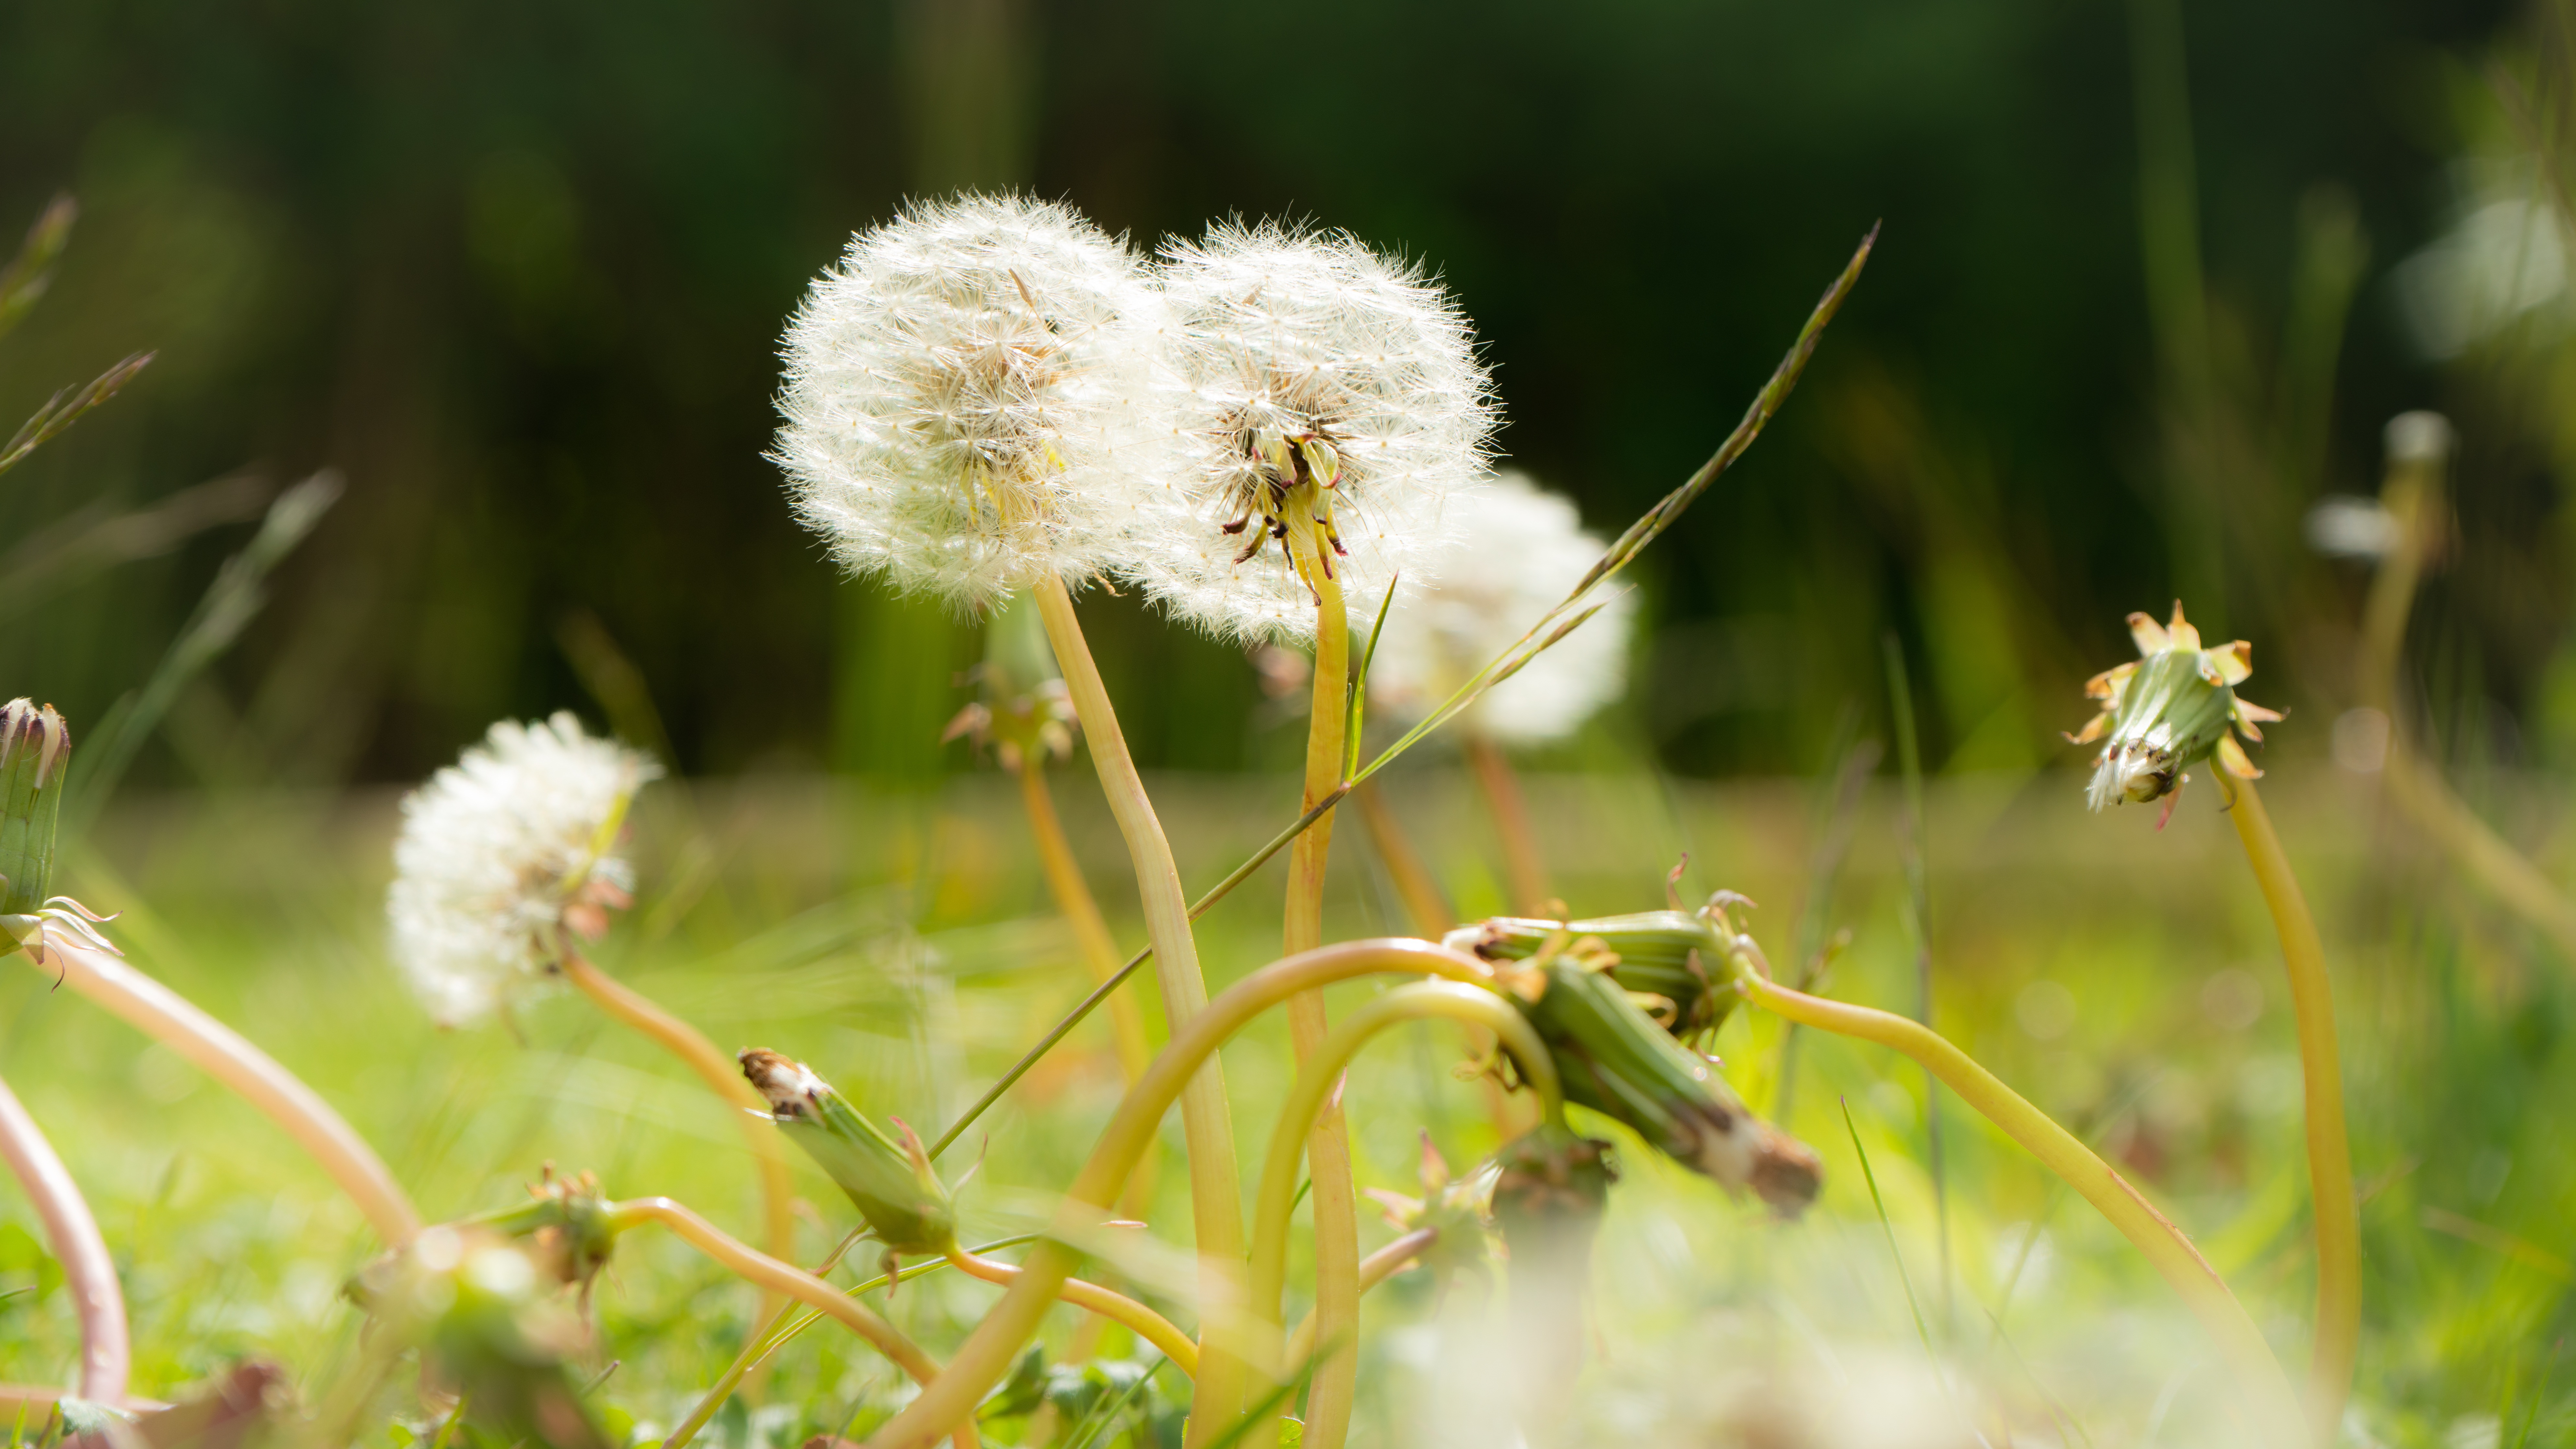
[[990, 1350], [97, 1301], [625, 1004], [2265, 1390], [749, 1263], [2335, 1207], [222, 1053], [1319, 1076], [1144, 1322]]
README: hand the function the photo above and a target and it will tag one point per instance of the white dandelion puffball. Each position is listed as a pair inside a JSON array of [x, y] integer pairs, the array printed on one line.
[[1276, 335], [500, 853], [964, 400], [1518, 551]]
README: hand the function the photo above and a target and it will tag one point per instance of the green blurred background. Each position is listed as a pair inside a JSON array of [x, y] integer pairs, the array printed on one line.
[[518, 271]]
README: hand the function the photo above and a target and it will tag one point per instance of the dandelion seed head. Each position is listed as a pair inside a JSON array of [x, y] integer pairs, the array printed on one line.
[[964, 400], [1516, 552], [500, 854], [1285, 351]]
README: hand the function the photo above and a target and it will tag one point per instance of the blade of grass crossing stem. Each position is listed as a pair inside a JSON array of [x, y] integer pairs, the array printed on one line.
[[1922, 1329], [2539, 1391], [230, 603], [1556, 623], [1918, 924], [1359, 682], [1102, 1415]]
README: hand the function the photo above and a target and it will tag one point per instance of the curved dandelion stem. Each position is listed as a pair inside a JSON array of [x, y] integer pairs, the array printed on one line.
[[625, 1004], [788, 1280], [97, 1300], [2337, 1213], [222, 1053], [1118, 1308], [1376, 1268], [989, 1351], [2265, 1390]]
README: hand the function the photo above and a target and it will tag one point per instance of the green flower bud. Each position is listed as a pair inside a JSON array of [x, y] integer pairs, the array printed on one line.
[[1673, 959], [2167, 711], [889, 1179], [35, 755], [1614, 1059]]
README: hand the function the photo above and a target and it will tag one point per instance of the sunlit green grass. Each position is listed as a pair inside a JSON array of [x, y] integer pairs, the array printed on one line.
[[2122, 978]]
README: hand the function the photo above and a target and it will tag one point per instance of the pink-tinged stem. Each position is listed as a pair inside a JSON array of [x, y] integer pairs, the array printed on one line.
[[222, 1053], [87, 1269]]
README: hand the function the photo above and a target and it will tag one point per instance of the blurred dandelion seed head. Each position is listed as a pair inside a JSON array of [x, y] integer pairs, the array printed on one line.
[[502, 853], [963, 400], [1309, 384], [1517, 552]]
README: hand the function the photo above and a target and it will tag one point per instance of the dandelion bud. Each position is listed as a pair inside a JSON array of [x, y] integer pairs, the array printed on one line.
[[1516, 553], [2167, 711], [889, 1179], [1325, 399], [1614, 1059], [1673, 962], [35, 754]]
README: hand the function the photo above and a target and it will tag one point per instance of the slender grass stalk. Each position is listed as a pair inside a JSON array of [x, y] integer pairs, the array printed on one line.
[[1317, 1078], [1144, 1322], [1074, 900], [1216, 1191], [788, 1280], [990, 1350], [1554, 625], [1336, 1214], [632, 1008], [98, 1302], [222, 1053], [2269, 1401], [1522, 869], [2338, 1216], [1376, 1268]]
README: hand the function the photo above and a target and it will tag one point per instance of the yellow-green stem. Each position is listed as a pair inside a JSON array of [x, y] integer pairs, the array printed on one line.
[[1522, 869], [788, 1280], [1336, 1198], [2269, 1401], [222, 1053], [1207, 1126], [2337, 1213], [1428, 909], [1376, 1268], [724, 1077], [989, 1351], [1144, 1322], [1275, 1200]]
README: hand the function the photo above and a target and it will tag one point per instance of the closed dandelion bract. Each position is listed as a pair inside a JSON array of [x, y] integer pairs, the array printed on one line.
[[963, 400], [1290, 356], [1517, 552], [2168, 709], [503, 851]]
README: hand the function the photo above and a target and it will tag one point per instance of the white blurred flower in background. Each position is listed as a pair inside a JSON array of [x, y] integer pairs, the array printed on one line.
[[504, 852]]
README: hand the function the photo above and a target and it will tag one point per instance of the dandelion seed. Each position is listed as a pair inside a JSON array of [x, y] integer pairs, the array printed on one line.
[[964, 400], [1517, 552], [504, 853], [1325, 400]]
